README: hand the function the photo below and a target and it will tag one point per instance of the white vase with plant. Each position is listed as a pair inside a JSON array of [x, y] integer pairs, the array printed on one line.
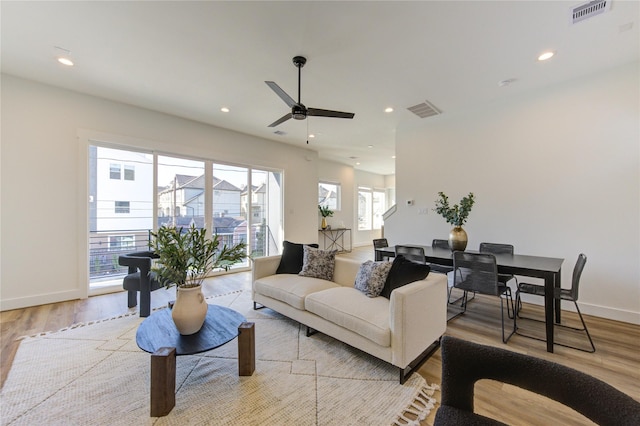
[[456, 215], [185, 258], [324, 212]]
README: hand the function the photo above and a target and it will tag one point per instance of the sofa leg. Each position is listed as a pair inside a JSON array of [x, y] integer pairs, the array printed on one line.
[[256, 307], [310, 331], [405, 373]]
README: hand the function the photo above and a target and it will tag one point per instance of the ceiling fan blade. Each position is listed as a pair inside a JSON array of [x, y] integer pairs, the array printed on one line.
[[283, 95], [328, 113], [281, 120]]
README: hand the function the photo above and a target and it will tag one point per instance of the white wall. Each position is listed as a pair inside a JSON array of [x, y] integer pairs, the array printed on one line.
[[43, 188], [555, 173]]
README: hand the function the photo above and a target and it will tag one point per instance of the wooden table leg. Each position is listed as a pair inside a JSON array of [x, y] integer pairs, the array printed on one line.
[[246, 349], [163, 381]]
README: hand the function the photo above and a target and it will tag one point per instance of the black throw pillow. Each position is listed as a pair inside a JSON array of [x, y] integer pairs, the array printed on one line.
[[403, 272], [292, 258]]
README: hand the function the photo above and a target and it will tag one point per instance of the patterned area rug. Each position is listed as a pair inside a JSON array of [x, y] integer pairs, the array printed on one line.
[[94, 374]]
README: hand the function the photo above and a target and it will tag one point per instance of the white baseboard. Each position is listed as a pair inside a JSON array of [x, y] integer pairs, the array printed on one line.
[[607, 312], [41, 299]]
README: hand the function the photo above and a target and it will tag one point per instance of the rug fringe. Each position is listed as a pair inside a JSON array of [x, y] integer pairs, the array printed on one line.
[[420, 408], [128, 314]]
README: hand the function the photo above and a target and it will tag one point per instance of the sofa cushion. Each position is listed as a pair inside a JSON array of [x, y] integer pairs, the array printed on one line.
[[291, 289], [372, 277], [350, 309], [403, 271], [292, 258], [318, 263]]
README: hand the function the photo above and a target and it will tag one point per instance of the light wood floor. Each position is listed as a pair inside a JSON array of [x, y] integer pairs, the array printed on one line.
[[616, 360]]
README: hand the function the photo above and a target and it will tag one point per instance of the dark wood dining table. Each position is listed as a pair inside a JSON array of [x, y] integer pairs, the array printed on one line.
[[547, 268]]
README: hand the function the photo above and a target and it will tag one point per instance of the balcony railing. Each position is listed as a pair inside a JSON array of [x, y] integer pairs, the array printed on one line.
[[106, 246]]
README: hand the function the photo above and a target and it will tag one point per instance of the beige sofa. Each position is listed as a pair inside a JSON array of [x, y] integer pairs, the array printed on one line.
[[402, 330]]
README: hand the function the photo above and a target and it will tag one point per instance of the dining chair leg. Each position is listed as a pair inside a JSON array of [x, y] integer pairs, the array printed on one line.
[[505, 340]]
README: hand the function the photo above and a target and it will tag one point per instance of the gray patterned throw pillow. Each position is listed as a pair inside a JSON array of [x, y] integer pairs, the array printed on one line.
[[318, 263], [371, 277]]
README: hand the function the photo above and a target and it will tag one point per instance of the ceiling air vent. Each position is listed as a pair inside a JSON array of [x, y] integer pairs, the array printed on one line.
[[424, 110], [589, 9]]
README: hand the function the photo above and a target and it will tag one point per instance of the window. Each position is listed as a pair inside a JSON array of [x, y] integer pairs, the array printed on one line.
[[122, 242], [129, 172], [122, 207], [114, 171], [364, 209], [371, 206], [329, 195], [378, 208]]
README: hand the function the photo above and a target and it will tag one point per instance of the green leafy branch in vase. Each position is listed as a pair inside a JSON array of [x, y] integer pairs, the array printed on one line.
[[325, 211], [458, 214]]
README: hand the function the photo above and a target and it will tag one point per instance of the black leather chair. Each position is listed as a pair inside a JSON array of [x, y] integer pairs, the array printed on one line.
[[478, 273], [464, 363], [140, 279], [570, 295]]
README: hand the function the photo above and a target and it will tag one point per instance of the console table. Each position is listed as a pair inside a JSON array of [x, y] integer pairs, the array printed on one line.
[[334, 239]]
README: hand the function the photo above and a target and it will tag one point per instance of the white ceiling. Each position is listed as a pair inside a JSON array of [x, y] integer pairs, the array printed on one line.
[[191, 58]]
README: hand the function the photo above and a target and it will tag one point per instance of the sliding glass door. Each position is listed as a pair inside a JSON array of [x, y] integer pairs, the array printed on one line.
[[237, 203]]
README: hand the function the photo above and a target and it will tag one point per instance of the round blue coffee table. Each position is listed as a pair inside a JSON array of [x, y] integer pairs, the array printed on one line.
[[158, 335]]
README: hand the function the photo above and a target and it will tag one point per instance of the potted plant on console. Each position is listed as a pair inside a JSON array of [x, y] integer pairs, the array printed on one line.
[[185, 258], [457, 216], [324, 212]]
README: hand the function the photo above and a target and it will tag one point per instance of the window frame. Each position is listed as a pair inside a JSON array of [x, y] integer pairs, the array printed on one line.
[[338, 186], [371, 193]]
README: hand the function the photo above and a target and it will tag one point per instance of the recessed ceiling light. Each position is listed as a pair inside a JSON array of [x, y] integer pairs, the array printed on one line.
[[312, 135], [224, 109], [369, 146], [389, 109], [546, 55], [393, 156], [357, 163], [65, 61]]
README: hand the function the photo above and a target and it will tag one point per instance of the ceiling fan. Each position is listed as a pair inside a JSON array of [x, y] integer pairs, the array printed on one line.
[[298, 110]]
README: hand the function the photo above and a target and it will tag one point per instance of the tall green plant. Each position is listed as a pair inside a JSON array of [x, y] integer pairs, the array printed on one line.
[[458, 214], [187, 257]]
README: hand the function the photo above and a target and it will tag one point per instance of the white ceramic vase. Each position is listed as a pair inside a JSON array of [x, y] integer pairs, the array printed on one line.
[[190, 310]]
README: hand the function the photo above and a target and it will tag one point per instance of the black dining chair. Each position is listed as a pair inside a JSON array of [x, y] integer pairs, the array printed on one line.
[[443, 269], [414, 254], [497, 248], [379, 243], [570, 294], [478, 273]]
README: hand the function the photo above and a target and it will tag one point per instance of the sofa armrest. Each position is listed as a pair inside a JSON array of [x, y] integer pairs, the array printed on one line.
[[418, 317], [265, 266]]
